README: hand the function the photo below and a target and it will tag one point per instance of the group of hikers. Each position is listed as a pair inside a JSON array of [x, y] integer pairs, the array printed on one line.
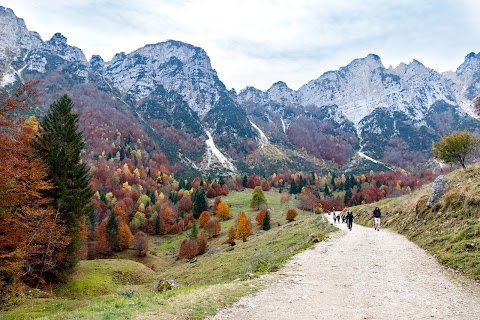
[[347, 217]]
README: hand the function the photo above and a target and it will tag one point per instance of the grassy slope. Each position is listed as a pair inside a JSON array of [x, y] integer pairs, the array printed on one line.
[[450, 229], [121, 288]]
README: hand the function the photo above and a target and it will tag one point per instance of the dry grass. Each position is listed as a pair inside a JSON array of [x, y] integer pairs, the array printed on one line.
[[450, 229]]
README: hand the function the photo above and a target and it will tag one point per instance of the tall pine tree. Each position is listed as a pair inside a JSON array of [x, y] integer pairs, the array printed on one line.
[[59, 144]]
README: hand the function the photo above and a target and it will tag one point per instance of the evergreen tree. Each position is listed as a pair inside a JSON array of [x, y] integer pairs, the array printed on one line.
[[181, 184], [156, 224], [378, 184], [326, 191], [188, 185], [258, 198], [348, 195], [221, 181], [194, 231], [199, 204], [59, 144], [112, 230], [266, 221], [245, 181], [293, 187], [353, 182], [312, 179]]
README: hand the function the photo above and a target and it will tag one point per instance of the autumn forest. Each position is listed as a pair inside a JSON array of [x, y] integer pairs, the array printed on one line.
[[82, 183]]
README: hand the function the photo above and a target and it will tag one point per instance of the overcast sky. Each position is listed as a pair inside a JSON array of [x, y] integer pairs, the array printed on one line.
[[257, 43]]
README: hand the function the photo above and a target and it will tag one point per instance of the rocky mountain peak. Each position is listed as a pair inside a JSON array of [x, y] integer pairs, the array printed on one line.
[[58, 40], [370, 62], [472, 61], [173, 65], [14, 34], [279, 92], [96, 62]]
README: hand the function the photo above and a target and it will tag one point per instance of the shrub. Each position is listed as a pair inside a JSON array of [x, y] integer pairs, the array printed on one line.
[[291, 214], [204, 218], [202, 243], [141, 244], [231, 236], [188, 249], [212, 227], [211, 193]]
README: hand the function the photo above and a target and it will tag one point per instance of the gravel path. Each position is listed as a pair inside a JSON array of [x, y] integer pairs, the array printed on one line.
[[361, 274]]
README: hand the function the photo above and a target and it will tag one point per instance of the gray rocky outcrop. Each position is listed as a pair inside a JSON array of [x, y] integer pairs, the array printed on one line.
[[437, 190]]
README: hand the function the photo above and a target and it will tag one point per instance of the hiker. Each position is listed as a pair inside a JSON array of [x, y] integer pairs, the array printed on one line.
[[376, 218], [349, 219], [334, 217], [338, 217]]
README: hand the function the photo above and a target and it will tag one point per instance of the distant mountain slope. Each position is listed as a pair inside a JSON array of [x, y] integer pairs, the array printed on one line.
[[171, 90]]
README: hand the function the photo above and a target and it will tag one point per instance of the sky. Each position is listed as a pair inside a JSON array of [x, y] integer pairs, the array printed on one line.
[[259, 42]]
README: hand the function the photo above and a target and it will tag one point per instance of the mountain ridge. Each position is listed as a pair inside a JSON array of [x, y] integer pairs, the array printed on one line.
[[341, 110]]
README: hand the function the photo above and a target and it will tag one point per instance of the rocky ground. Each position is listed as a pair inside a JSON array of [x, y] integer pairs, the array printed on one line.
[[362, 274]]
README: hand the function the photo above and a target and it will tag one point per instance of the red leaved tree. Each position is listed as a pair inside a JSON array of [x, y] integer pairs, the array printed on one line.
[[212, 227], [141, 244], [476, 105]]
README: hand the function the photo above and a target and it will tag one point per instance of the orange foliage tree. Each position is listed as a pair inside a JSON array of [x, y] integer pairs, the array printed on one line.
[[231, 236], [223, 211], [291, 214], [244, 226], [124, 237], [204, 218]]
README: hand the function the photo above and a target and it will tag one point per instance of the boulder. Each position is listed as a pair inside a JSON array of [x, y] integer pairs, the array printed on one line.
[[437, 190]]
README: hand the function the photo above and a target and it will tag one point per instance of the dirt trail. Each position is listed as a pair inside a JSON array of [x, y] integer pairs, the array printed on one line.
[[361, 274]]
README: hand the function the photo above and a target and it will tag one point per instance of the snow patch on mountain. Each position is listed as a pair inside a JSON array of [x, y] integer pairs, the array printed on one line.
[[214, 156], [263, 140], [7, 79]]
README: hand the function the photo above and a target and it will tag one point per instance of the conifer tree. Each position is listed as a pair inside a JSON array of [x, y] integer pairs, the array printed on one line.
[[245, 181], [112, 229], [221, 181], [266, 221], [258, 198], [59, 144], [194, 231], [293, 187], [199, 204]]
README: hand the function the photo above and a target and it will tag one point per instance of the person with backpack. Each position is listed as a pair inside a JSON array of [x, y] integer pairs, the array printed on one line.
[[349, 220], [376, 218]]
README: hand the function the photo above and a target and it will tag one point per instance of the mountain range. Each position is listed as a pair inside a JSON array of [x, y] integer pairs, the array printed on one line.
[[361, 117]]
